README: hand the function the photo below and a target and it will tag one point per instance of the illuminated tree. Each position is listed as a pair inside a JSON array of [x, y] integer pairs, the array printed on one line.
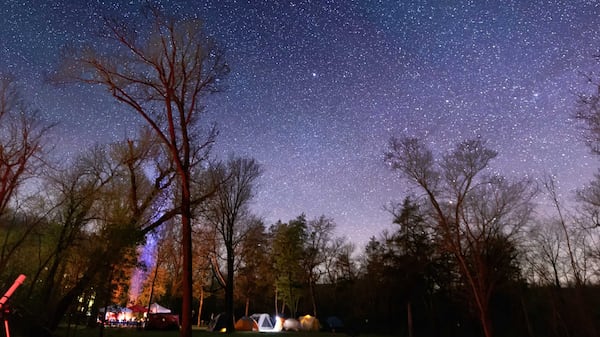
[[288, 251], [100, 206], [162, 71], [204, 248]]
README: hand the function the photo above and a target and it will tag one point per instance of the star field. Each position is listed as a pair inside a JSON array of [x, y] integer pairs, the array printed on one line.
[[318, 87]]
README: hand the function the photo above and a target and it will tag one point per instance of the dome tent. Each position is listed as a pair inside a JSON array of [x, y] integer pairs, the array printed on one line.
[[309, 323], [246, 324], [266, 323]]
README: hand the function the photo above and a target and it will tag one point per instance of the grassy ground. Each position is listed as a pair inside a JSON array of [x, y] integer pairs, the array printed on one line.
[[132, 332]]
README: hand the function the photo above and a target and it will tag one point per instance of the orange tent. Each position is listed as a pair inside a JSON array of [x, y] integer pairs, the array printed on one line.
[[246, 324], [309, 323]]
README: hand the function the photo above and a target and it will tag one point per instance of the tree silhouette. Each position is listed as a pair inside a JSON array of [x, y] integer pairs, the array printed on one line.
[[472, 212], [162, 71]]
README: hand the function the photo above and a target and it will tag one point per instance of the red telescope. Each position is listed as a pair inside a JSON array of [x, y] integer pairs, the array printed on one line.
[[6, 297], [11, 290]]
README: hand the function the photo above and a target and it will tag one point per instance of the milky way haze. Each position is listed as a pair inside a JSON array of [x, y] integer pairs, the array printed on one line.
[[318, 87]]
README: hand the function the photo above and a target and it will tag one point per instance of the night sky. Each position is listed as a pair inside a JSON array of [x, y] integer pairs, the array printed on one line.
[[318, 87]]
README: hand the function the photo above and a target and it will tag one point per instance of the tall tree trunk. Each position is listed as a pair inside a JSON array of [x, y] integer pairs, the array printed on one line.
[[479, 290], [312, 297], [106, 303], [486, 322], [229, 292], [186, 245], [276, 308], [67, 300], [152, 286], [409, 318], [526, 315], [200, 306], [49, 284]]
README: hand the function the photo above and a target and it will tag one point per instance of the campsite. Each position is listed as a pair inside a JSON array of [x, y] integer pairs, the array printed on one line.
[[196, 332], [248, 326]]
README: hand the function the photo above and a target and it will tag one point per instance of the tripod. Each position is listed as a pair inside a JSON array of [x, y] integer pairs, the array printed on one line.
[[4, 310]]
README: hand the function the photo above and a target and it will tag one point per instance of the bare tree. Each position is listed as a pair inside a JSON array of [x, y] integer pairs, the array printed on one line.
[[229, 213], [317, 246], [576, 250], [544, 249], [577, 266], [339, 264], [588, 113], [21, 140], [475, 215], [204, 247], [164, 76]]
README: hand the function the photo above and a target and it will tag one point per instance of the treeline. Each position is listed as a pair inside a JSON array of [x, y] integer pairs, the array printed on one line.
[[471, 253]]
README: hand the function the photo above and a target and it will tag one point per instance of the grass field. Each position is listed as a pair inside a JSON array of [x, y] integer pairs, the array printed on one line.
[[132, 332]]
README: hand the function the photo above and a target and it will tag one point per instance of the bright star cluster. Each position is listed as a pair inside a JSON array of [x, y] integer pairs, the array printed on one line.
[[317, 88]]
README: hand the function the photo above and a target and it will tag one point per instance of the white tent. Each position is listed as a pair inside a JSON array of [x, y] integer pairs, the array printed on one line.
[[291, 324], [266, 323], [156, 308]]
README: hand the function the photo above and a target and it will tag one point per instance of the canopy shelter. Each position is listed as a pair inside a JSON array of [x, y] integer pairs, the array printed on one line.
[[156, 308], [115, 313]]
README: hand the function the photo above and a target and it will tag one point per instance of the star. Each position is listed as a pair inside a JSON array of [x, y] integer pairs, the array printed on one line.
[[504, 71]]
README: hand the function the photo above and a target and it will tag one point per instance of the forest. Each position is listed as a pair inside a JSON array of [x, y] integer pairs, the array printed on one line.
[[158, 217]]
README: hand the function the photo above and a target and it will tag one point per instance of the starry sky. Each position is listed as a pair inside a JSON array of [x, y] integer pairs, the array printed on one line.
[[317, 88]]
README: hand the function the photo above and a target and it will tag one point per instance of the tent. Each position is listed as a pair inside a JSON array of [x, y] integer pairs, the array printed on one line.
[[266, 323], [309, 323], [291, 324], [246, 324], [156, 308], [334, 324], [217, 323], [115, 313]]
